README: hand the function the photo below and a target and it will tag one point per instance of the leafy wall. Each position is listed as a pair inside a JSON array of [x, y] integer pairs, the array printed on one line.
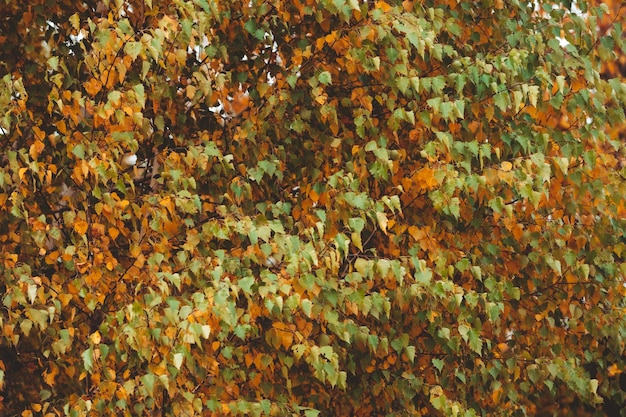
[[311, 207]]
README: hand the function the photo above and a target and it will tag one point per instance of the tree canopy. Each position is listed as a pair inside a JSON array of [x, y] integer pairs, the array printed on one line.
[[312, 207]]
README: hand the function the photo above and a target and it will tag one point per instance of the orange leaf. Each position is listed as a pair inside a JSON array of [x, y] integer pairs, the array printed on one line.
[[384, 6], [614, 370], [495, 395], [61, 127], [113, 232], [36, 148], [65, 299], [22, 173], [81, 226], [425, 179], [92, 87]]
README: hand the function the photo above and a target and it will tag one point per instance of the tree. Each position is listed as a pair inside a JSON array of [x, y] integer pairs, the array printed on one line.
[[310, 207]]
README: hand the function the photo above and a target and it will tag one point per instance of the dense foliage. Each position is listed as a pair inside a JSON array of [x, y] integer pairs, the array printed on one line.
[[311, 207]]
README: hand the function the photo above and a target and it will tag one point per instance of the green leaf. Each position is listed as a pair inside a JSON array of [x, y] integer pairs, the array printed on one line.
[[475, 342], [246, 284], [148, 381], [438, 363], [325, 78], [79, 151], [410, 353], [307, 306], [501, 100], [25, 326], [357, 200], [87, 356], [133, 49]]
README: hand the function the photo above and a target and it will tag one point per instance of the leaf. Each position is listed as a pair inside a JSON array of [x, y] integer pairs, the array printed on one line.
[[475, 343], [87, 356], [354, 5], [246, 284], [81, 226], [32, 292], [133, 49], [75, 21], [533, 94], [506, 166], [410, 352], [148, 380], [95, 338], [382, 221], [25, 326], [178, 360], [501, 100], [307, 307], [325, 78], [79, 151]]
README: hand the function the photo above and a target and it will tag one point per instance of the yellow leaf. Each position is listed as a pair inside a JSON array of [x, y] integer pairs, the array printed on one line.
[[75, 21], [321, 99], [362, 266], [95, 338], [134, 250], [382, 221], [190, 91], [593, 384], [489, 112], [506, 166]]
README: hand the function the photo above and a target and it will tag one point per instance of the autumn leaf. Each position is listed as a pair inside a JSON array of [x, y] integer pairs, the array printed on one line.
[[81, 226]]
